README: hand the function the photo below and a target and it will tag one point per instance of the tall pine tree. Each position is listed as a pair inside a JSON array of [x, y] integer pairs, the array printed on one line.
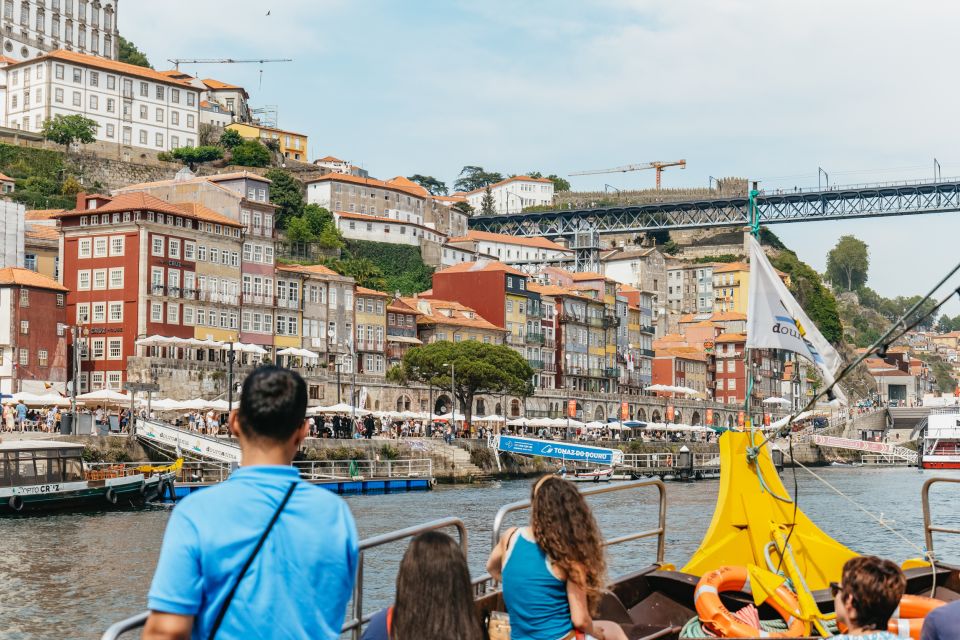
[[486, 205]]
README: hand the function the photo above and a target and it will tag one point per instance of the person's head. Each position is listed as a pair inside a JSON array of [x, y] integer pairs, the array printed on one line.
[[869, 593], [566, 530], [273, 406], [434, 570]]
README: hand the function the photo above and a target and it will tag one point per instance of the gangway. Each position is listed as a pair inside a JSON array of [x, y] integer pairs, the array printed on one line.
[[179, 442], [883, 448]]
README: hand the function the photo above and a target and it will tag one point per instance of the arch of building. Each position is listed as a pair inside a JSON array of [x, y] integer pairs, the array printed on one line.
[[642, 414], [695, 418], [442, 404], [481, 409], [655, 416], [598, 413], [514, 408], [403, 402]]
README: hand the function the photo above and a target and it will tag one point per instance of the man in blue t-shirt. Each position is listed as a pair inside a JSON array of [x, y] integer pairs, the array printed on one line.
[[299, 582], [942, 623]]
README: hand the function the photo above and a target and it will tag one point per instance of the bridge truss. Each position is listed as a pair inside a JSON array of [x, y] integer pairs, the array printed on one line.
[[838, 203]]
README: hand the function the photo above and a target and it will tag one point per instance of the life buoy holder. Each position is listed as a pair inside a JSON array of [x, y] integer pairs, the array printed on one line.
[[907, 619], [15, 503], [111, 496], [718, 619]]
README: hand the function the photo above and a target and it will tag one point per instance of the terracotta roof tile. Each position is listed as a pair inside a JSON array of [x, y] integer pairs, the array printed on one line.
[[370, 182], [316, 269], [140, 201], [731, 337], [524, 241], [200, 212], [42, 232], [110, 65], [217, 84], [430, 314], [732, 266], [5, 178], [329, 159], [481, 265], [404, 183], [43, 214], [15, 276], [586, 276], [363, 291]]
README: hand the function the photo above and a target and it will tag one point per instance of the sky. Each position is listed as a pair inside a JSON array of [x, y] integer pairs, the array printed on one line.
[[770, 91]]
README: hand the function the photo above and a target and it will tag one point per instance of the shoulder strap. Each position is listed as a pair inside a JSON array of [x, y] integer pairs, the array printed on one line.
[[256, 550], [389, 621]]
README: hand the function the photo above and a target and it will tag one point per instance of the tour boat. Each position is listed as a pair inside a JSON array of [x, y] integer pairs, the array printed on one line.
[[47, 475], [593, 475], [941, 444]]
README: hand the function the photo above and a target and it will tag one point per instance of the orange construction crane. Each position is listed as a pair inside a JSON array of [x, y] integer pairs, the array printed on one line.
[[659, 166]]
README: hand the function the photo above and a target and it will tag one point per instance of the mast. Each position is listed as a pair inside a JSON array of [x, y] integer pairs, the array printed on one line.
[[754, 215]]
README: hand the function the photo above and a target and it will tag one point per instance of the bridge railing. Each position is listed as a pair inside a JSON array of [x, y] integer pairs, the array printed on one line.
[[855, 186]]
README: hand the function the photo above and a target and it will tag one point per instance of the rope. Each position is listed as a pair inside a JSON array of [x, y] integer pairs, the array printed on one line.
[[879, 520], [694, 629]]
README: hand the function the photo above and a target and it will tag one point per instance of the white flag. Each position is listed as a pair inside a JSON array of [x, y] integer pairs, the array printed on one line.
[[775, 320]]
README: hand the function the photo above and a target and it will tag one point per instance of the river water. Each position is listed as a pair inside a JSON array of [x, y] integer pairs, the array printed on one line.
[[70, 576]]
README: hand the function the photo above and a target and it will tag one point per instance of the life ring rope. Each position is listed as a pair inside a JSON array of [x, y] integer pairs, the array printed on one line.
[[718, 619]]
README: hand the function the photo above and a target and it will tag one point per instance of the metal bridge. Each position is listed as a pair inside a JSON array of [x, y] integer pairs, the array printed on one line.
[[835, 203]]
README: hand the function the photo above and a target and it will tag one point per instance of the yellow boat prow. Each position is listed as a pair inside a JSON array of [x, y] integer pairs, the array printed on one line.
[[749, 517]]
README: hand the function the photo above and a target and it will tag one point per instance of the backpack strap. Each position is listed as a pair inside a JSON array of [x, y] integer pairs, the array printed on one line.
[[243, 571], [389, 621]]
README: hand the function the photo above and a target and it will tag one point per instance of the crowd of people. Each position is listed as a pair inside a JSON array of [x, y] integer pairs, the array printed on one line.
[[233, 563], [19, 417]]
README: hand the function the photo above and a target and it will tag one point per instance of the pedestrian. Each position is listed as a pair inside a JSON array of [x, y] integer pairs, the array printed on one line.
[[21, 416], [368, 426], [51, 419], [232, 558]]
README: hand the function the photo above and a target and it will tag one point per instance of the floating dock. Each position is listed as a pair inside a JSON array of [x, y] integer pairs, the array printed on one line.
[[342, 487]]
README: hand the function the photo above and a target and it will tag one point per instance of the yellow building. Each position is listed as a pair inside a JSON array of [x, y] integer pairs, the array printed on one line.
[[292, 145], [41, 244], [371, 323], [731, 282]]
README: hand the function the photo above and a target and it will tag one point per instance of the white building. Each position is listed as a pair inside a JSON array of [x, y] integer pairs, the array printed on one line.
[[514, 194], [394, 228], [33, 27], [513, 249], [132, 106], [221, 103], [335, 165]]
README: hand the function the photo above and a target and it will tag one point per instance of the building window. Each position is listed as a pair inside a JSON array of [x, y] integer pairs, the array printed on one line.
[[174, 248], [116, 312], [99, 278], [159, 140], [116, 245], [157, 247], [24, 357], [60, 299], [83, 313], [97, 349], [42, 357], [114, 348], [83, 248], [24, 327], [99, 312], [156, 312], [173, 313], [114, 380]]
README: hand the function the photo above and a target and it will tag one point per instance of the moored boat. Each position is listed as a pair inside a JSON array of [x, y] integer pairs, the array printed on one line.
[[590, 475], [941, 443], [47, 475]]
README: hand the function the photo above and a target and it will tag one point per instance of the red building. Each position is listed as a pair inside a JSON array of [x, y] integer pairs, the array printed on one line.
[[33, 343], [129, 264], [731, 377], [480, 285]]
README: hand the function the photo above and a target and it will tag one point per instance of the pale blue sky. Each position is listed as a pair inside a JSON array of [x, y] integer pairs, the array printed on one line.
[[769, 90]]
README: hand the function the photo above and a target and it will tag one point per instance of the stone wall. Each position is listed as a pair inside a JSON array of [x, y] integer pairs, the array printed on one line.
[[727, 187]]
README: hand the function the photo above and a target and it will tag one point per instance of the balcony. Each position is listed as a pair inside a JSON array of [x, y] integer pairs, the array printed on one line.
[[611, 372], [515, 341], [260, 231], [595, 322], [172, 292], [650, 353], [285, 303], [217, 297], [648, 329], [595, 373], [369, 345], [549, 343], [534, 338], [610, 321], [258, 299], [568, 317], [535, 364], [550, 367]]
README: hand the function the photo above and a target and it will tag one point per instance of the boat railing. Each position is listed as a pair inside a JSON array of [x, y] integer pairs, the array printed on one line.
[[358, 618], [668, 460], [108, 470], [928, 527], [485, 583], [349, 469]]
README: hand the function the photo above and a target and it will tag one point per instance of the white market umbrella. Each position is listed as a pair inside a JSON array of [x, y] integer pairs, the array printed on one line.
[[222, 405], [540, 422], [595, 424], [457, 417], [565, 422], [518, 422], [103, 395], [289, 351], [306, 353], [338, 408], [776, 400], [491, 418]]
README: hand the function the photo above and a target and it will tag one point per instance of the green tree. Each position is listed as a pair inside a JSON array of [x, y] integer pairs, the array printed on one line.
[[129, 53], [847, 263], [463, 207], [478, 369], [816, 300], [330, 238], [431, 184], [207, 135], [559, 184], [317, 218], [286, 192], [486, 204], [230, 138], [298, 230], [66, 130], [250, 153], [363, 270], [472, 178], [193, 156]]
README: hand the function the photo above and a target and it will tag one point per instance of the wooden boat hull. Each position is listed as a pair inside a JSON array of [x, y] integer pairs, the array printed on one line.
[[82, 495]]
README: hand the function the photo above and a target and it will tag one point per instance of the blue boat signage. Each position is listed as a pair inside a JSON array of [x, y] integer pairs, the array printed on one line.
[[559, 450]]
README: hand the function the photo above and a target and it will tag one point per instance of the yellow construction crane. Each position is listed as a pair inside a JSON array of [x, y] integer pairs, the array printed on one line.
[[659, 166]]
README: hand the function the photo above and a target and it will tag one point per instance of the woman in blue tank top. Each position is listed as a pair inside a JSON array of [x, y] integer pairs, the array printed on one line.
[[553, 571]]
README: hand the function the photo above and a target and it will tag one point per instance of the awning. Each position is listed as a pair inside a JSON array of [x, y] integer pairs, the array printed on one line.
[[404, 339]]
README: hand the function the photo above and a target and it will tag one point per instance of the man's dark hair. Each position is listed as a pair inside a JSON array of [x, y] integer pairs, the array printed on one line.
[[273, 403], [876, 586]]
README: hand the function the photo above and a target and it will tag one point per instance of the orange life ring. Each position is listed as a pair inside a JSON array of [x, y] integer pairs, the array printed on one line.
[[718, 619], [908, 617]]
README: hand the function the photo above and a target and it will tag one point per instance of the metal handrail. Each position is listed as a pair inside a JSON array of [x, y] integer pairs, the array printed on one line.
[[660, 531], [928, 528], [358, 619], [355, 624]]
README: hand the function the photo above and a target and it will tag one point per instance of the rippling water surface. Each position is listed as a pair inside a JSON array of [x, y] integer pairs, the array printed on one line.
[[70, 576]]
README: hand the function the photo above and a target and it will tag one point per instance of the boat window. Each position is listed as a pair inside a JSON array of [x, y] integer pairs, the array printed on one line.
[[73, 471], [26, 472], [42, 467], [6, 477]]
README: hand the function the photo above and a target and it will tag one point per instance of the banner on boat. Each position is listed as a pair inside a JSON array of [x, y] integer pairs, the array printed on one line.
[[775, 320], [559, 450]]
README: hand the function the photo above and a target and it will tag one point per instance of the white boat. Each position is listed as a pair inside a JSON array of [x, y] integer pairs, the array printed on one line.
[[595, 475], [941, 442]]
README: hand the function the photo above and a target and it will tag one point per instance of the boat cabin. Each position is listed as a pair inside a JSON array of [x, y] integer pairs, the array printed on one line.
[[34, 462]]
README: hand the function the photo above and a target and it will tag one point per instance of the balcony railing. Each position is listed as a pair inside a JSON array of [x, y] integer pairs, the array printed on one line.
[[369, 345], [535, 338], [647, 329], [568, 317], [595, 373], [611, 372], [261, 231], [550, 343], [285, 303], [260, 299], [648, 352], [216, 296], [515, 341], [172, 292], [536, 364], [550, 367], [595, 322]]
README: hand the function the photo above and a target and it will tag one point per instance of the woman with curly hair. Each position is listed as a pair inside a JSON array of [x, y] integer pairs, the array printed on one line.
[[553, 572]]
